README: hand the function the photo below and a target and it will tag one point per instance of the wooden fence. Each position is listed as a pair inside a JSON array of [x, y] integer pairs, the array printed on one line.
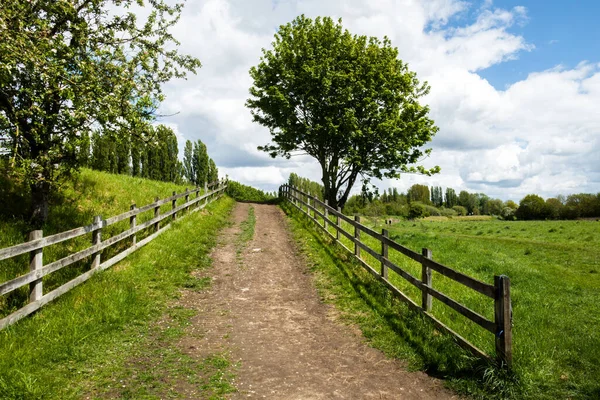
[[501, 327], [35, 247]]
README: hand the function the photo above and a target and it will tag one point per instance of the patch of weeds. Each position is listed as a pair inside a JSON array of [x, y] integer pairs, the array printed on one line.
[[218, 376], [527, 252], [552, 230], [197, 284], [246, 234]]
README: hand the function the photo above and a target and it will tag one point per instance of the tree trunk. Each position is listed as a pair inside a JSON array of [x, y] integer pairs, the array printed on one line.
[[40, 200]]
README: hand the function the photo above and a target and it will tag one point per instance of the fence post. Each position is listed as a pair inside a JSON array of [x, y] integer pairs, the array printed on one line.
[[36, 261], [326, 215], [187, 198], [132, 224], [156, 214], [96, 240], [174, 205], [384, 254], [503, 317], [356, 236], [426, 280], [338, 223], [205, 194]]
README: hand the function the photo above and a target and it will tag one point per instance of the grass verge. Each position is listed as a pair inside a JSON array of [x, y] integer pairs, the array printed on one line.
[[389, 324], [83, 339], [246, 233]]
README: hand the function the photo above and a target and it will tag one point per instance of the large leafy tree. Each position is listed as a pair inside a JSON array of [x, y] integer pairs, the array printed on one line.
[[68, 67], [346, 100]]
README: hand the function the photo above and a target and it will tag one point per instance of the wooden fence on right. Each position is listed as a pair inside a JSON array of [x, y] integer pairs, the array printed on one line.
[[499, 292]]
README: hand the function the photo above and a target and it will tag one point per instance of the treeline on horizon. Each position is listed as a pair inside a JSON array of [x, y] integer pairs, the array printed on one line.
[[154, 158], [422, 201]]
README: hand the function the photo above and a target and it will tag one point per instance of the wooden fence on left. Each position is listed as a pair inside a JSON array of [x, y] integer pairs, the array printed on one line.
[[36, 244]]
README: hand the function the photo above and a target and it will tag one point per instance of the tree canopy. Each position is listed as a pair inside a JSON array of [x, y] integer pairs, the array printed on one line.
[[346, 100], [68, 68]]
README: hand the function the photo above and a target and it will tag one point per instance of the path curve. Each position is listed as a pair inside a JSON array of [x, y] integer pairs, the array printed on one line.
[[264, 311]]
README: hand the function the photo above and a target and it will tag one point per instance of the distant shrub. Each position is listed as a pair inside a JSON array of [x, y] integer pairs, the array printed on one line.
[[460, 210], [448, 212], [245, 193], [417, 210], [432, 211]]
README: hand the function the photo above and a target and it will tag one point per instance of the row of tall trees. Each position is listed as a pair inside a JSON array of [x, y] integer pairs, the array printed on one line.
[[198, 167], [154, 158]]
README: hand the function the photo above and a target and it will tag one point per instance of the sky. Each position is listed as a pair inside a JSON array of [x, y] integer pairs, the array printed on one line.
[[515, 88]]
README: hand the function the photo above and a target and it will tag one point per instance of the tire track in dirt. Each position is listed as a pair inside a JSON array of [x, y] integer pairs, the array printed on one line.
[[266, 314]]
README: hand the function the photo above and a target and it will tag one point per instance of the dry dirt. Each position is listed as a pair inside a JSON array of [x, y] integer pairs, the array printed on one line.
[[263, 311]]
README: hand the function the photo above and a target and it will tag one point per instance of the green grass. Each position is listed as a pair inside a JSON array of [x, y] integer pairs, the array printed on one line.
[[86, 340], [246, 234], [90, 193], [554, 270]]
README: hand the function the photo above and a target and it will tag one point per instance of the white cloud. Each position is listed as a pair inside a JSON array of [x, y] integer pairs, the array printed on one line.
[[541, 134]]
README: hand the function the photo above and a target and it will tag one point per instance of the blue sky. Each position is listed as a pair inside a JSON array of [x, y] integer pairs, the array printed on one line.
[[563, 32], [510, 122]]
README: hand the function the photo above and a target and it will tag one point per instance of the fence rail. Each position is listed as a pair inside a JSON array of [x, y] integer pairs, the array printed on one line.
[[501, 327], [37, 243]]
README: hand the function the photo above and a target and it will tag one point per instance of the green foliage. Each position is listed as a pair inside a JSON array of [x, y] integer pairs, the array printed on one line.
[[450, 199], [418, 193], [69, 67], [306, 185], [344, 99], [213, 171], [154, 158], [460, 210], [188, 166], [532, 206], [417, 210], [245, 193], [200, 163]]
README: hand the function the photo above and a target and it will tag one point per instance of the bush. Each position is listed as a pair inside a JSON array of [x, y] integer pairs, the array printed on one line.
[[448, 212], [417, 210], [433, 211], [460, 210], [245, 193]]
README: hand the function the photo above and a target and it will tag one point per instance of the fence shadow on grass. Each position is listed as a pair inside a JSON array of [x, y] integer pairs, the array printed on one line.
[[437, 352]]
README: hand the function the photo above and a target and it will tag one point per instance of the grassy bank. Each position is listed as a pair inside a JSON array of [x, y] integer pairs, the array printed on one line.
[[90, 193], [81, 343], [554, 281]]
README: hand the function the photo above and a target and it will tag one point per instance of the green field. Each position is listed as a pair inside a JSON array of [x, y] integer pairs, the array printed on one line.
[[554, 267]]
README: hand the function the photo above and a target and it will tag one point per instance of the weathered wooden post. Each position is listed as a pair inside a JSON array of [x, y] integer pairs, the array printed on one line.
[[426, 279], [338, 224], [205, 194], [156, 214], [187, 198], [174, 205], [503, 319], [356, 236], [384, 253], [326, 215], [96, 240], [36, 261], [132, 224]]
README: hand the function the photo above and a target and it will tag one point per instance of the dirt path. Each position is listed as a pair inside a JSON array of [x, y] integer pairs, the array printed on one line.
[[264, 312]]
